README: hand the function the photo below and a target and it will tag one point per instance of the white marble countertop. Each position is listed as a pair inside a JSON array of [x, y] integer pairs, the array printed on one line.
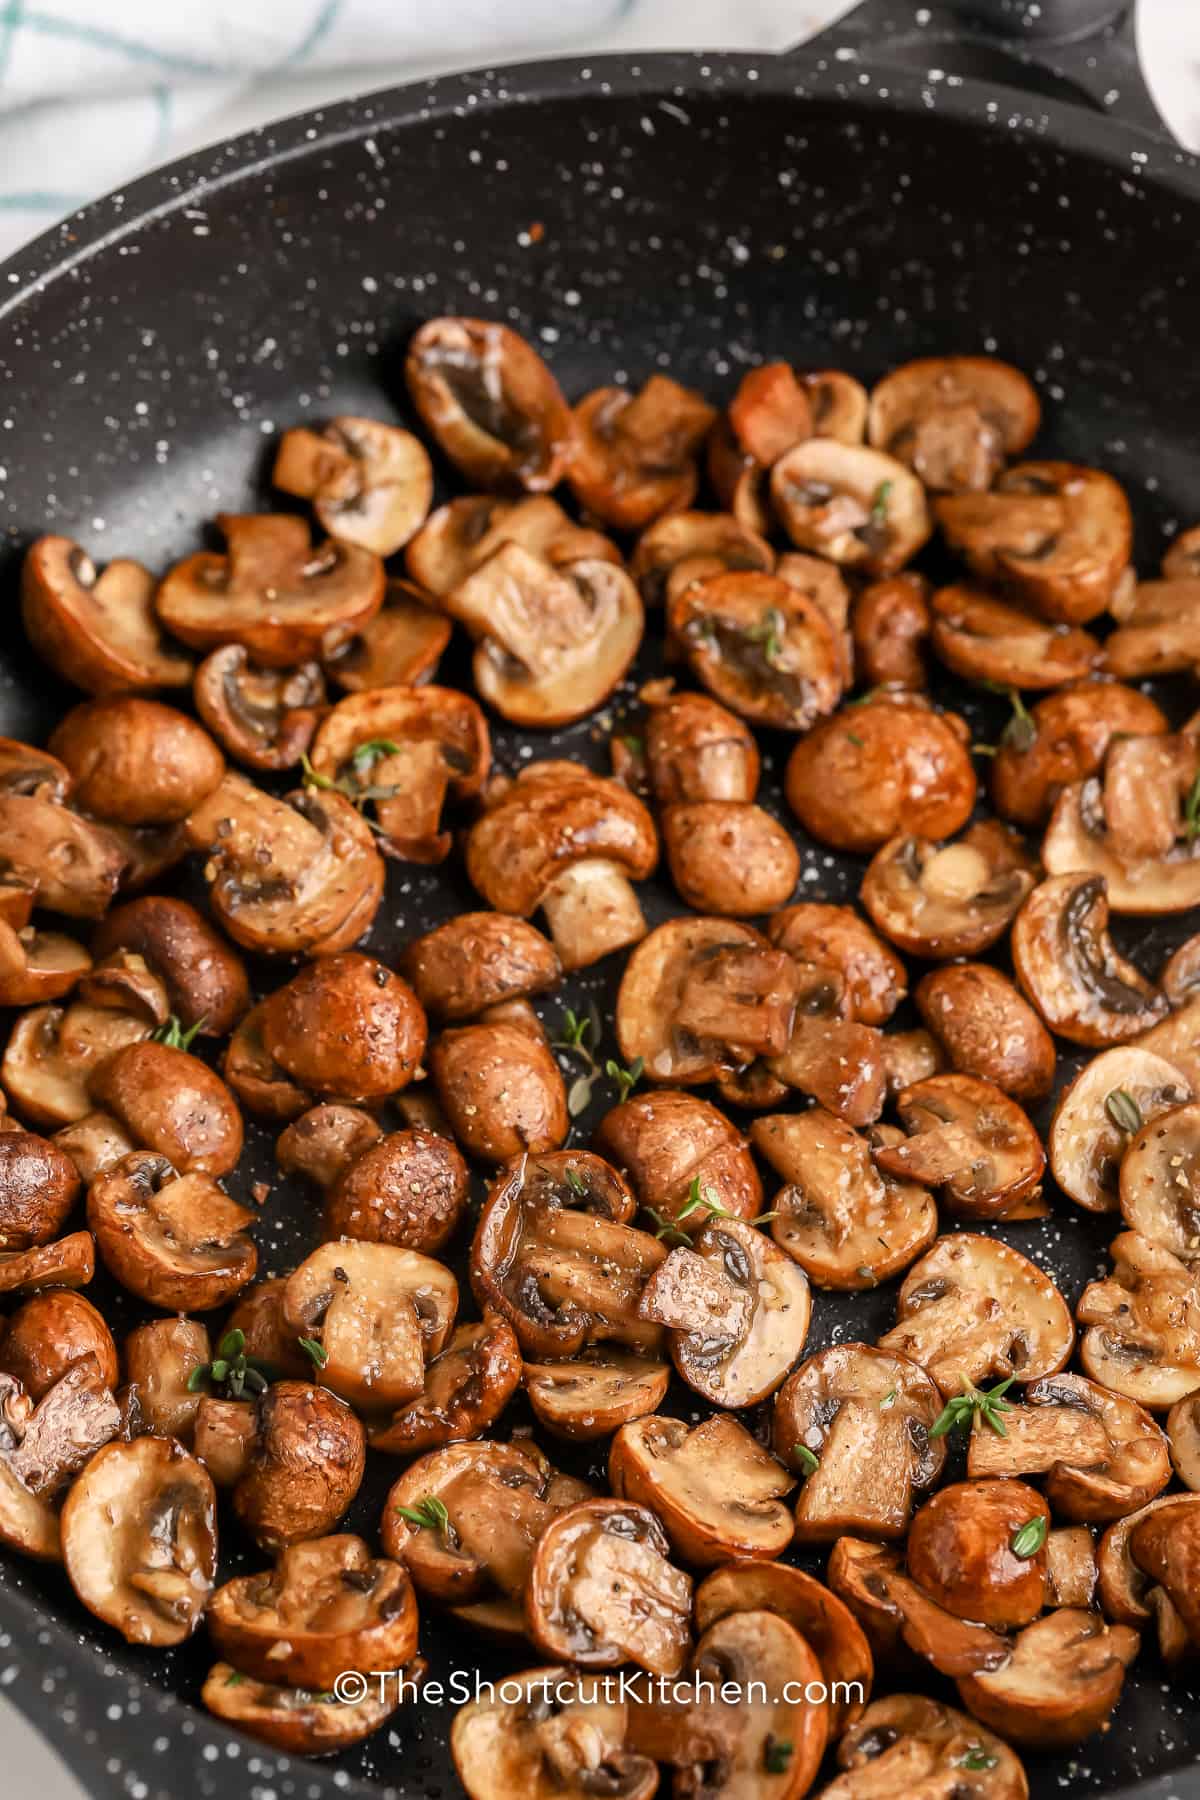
[[1169, 33]]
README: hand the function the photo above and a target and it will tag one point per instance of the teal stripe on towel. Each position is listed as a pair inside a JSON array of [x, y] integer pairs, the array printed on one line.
[[10, 18], [42, 200], [50, 25], [316, 34]]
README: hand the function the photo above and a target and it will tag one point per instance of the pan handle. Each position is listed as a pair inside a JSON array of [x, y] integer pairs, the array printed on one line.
[[1082, 51]]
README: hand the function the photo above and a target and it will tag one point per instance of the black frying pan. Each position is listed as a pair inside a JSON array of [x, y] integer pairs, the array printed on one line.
[[695, 211]]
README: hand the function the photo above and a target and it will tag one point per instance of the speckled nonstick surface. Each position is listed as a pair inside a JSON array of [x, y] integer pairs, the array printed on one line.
[[692, 213]]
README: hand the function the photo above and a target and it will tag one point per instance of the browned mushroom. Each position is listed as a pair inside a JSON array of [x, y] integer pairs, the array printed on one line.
[[1158, 1170], [602, 1591], [634, 456], [1128, 1594], [1066, 740], [763, 647], [139, 1539], [716, 1492], [175, 1240], [77, 862], [170, 1102], [1183, 557], [38, 1187], [1133, 828], [1057, 535], [737, 1309], [259, 1316], [467, 1387], [259, 1083], [96, 628], [1101, 1454], [729, 857], [894, 1612], [908, 1739], [1062, 1682], [975, 1307], [856, 506], [984, 639], [324, 1608], [400, 647], [1165, 1545], [49, 1333], [345, 1027], [839, 404], [837, 938], [979, 1549], [987, 1029], [205, 981], [837, 1061], [501, 1090], [36, 966], [698, 750], [298, 1721], [1068, 966], [370, 484], [377, 1312], [410, 1188], [491, 403], [304, 1468], [54, 1052], [568, 842], [954, 419], [856, 780], [667, 1142], [1071, 1571], [770, 412], [478, 960], [890, 624], [552, 1734], [223, 1438], [599, 1389], [461, 536], [69, 1262], [857, 1424], [281, 597], [43, 1447], [264, 718], [136, 762], [1183, 1431], [1142, 1336], [161, 1360], [909, 1057], [969, 1139], [682, 548], [941, 900], [846, 1223], [290, 877], [1158, 630]]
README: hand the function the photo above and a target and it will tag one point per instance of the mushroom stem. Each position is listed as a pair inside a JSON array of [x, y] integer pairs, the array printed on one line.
[[592, 910]]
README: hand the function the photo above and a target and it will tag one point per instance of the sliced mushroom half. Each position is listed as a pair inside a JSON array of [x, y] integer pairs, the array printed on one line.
[[718, 974], [909, 1739], [943, 900], [370, 483], [69, 1262], [400, 647], [490, 402], [1142, 1324], [1158, 631], [602, 1590], [264, 718], [856, 506], [761, 646], [468, 531], [665, 1142], [635, 455], [597, 1391], [178, 1241], [36, 966], [54, 1052], [476, 961], [377, 1311], [467, 1387], [836, 937], [984, 639], [78, 862], [1159, 871], [303, 1467], [1069, 967], [555, 1735], [1157, 1182], [1183, 1430], [954, 419], [1063, 1680], [968, 1138], [894, 1611], [97, 627], [683, 548], [714, 1489], [203, 977], [298, 1721], [1065, 739]]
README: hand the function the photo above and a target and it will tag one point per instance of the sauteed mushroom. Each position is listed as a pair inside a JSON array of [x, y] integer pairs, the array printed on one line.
[[161, 1360], [283, 598], [49, 1333], [259, 1316], [491, 403], [38, 1188], [476, 961], [730, 858], [1158, 1170], [400, 647], [857, 1423], [761, 646], [840, 1063], [682, 548], [895, 1612], [701, 996], [410, 1188], [96, 627], [1068, 740], [941, 900], [1070, 969], [561, 1738], [1183, 1430], [1133, 829], [467, 1387], [890, 624], [1063, 1680], [853, 505], [54, 1052], [987, 1029], [204, 979], [770, 412], [698, 750], [377, 1311], [304, 1467], [1143, 1324], [501, 1090], [346, 1027], [264, 718], [297, 1721], [43, 1448], [172, 1103], [954, 419], [136, 762], [463, 535], [836, 937], [979, 1549], [1183, 557], [1158, 630], [78, 863], [716, 1492], [69, 1262], [1165, 1544], [856, 780], [908, 1739], [370, 484], [594, 1393], [139, 1539], [177, 1241], [602, 1592], [1056, 535], [969, 1139], [984, 639], [669, 1143], [634, 455], [1071, 1571]]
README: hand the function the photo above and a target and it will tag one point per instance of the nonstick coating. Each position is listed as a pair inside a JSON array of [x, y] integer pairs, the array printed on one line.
[[685, 213]]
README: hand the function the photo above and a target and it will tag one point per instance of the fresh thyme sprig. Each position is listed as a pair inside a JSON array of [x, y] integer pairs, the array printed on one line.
[[172, 1034], [988, 1403], [232, 1369]]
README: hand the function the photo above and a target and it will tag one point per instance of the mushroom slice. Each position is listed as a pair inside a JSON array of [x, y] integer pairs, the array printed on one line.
[[770, 412], [28, 1522], [738, 480], [554, 1254], [53, 1053], [1165, 1545], [465, 1519], [223, 1438], [204, 979], [1071, 733], [666, 1142], [43, 1446], [984, 639], [1142, 1336], [569, 842], [857, 1422], [686, 547], [465, 533], [909, 1744], [839, 1063], [1158, 1171], [277, 594], [162, 1358], [825, 1622], [969, 1139], [1071, 1572], [265, 718], [988, 1029], [36, 966], [1158, 632], [855, 506], [500, 1089], [765, 649], [847, 1224], [177, 1241], [889, 767], [595, 1392], [552, 643], [1056, 535], [1080, 839], [943, 900], [836, 937], [700, 959], [294, 876], [1183, 1430], [370, 484], [970, 1549], [298, 1721], [839, 404], [893, 1609], [1101, 1454], [304, 1466], [400, 647], [953, 420], [1070, 969], [744, 996], [476, 961], [259, 1083], [1063, 1680], [69, 1262], [491, 403], [78, 862], [96, 628], [909, 1057], [404, 751], [139, 1539], [715, 1490], [602, 1590], [18, 891], [698, 750], [634, 456], [890, 624], [975, 1307], [326, 1606], [377, 1312], [738, 1311], [561, 1737], [1127, 1593], [467, 1387]]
